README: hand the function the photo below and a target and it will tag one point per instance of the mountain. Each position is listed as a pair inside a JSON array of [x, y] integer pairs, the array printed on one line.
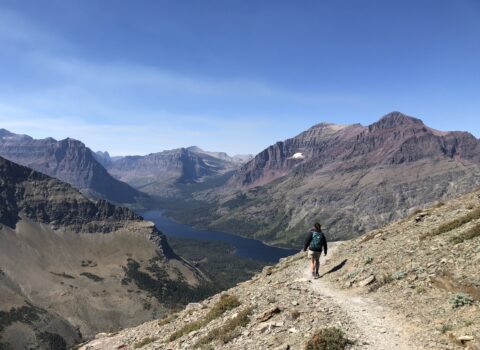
[[242, 158], [414, 284], [161, 173], [352, 178], [68, 160], [238, 158], [71, 267]]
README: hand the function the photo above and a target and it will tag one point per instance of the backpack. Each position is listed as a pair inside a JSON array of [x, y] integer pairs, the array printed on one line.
[[316, 243]]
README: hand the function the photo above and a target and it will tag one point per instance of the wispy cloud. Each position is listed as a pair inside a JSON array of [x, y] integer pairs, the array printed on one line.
[[135, 108]]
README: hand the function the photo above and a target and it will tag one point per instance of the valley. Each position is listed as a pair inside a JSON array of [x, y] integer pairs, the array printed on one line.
[[199, 222], [72, 267], [170, 171], [352, 178]]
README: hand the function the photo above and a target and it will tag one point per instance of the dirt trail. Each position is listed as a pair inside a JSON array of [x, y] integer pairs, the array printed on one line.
[[378, 326]]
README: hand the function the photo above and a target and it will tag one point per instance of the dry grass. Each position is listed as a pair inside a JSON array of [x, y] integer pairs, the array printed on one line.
[[328, 339], [454, 224], [226, 302], [467, 235], [228, 331], [144, 342], [167, 319], [447, 281]]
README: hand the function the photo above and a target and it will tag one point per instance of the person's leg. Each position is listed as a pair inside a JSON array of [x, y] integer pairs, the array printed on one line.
[[317, 264], [312, 264]]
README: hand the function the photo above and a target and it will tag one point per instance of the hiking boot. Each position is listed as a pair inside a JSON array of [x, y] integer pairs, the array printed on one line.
[[317, 275], [313, 274]]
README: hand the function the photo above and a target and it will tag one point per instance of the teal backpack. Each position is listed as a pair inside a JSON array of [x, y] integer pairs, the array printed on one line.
[[316, 243]]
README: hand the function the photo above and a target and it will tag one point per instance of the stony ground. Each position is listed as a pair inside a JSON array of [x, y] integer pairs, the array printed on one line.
[[393, 288], [418, 267], [288, 307]]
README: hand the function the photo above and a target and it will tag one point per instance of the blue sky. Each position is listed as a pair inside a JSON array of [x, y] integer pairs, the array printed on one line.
[[134, 77]]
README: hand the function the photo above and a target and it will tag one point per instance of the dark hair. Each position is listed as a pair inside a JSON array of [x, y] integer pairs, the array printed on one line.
[[317, 226]]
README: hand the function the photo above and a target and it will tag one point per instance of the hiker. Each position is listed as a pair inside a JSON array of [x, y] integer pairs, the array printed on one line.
[[315, 242]]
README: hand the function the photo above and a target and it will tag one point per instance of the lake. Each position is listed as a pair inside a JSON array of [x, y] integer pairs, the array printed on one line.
[[244, 247]]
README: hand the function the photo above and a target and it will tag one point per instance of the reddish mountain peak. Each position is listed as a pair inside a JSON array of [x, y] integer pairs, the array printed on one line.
[[394, 120]]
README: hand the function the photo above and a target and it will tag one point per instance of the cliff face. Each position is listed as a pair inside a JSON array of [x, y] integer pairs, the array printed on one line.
[[68, 160], [351, 178], [393, 140], [71, 267]]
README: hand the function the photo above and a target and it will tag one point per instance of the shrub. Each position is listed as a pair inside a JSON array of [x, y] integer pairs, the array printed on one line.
[[399, 275], [227, 332], [452, 225], [328, 339], [368, 260], [167, 319], [420, 290], [144, 342], [460, 299], [445, 328], [386, 279], [226, 302], [352, 275], [467, 235]]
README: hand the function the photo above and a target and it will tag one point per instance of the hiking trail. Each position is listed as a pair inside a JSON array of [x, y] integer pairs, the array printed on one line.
[[378, 326]]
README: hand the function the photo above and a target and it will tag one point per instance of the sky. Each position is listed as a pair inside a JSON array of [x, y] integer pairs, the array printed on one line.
[[136, 77]]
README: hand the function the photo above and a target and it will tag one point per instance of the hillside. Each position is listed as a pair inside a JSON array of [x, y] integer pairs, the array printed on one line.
[[413, 284], [71, 267], [353, 178], [68, 160]]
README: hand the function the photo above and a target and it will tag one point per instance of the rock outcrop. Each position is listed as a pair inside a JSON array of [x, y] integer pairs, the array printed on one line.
[[68, 160], [71, 267], [352, 178]]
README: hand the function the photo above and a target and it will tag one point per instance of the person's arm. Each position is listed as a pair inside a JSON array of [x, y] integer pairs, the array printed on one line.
[[307, 241]]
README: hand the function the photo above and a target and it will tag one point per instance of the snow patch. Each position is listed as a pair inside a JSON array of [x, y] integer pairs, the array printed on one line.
[[298, 155]]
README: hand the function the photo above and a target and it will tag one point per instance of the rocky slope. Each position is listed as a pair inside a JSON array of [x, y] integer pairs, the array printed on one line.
[[160, 173], [352, 178], [425, 267], [413, 284], [71, 267], [68, 160]]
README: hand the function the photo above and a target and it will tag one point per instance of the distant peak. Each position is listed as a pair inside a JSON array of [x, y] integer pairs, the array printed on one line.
[[194, 149], [5, 132], [395, 119], [103, 153]]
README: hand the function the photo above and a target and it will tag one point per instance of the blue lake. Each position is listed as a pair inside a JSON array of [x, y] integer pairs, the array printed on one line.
[[244, 247]]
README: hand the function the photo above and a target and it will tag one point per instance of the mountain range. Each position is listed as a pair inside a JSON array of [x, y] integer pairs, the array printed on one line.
[[351, 178], [71, 267], [162, 173], [68, 160]]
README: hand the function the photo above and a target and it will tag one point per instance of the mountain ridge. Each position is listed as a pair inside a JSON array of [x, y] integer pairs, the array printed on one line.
[[70, 161], [352, 178], [160, 173], [71, 267]]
